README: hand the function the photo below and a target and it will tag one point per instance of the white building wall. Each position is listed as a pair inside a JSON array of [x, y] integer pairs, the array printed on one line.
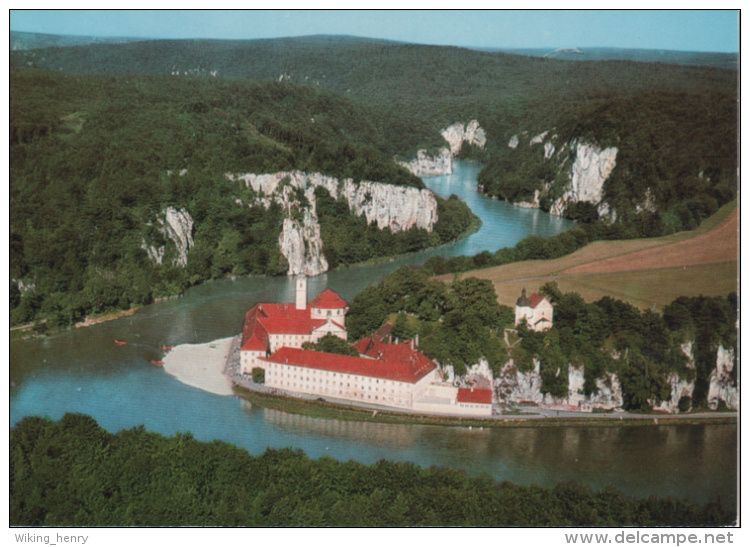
[[338, 315], [365, 389], [250, 360], [353, 387]]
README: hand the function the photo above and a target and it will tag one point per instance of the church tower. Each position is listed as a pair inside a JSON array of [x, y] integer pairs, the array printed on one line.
[[301, 299]]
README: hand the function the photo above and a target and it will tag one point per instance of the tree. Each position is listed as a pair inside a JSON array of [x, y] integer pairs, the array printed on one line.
[[332, 344], [259, 375]]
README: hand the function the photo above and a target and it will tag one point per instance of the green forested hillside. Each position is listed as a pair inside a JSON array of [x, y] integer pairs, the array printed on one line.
[[669, 120], [105, 124], [74, 473], [95, 159], [678, 148]]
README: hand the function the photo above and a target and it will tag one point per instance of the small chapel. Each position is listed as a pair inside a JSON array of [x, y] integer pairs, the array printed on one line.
[[536, 310]]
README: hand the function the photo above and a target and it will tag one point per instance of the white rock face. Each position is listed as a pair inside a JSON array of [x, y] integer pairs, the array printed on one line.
[[513, 142], [720, 387], [458, 133], [538, 139], [679, 388], [177, 225], [549, 150], [590, 169], [607, 396], [396, 207], [514, 386], [302, 246], [533, 204], [425, 165]]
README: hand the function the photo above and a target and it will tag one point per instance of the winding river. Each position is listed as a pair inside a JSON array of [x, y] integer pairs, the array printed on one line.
[[81, 370]]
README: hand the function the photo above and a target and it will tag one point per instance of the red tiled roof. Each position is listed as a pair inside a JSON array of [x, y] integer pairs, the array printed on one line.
[[409, 371], [535, 300], [474, 395], [383, 331], [265, 319], [328, 300]]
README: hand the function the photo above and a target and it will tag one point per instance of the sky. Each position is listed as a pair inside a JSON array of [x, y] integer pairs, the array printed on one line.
[[682, 30]]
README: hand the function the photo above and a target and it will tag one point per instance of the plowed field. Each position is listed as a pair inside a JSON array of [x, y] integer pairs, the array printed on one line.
[[648, 273], [717, 245]]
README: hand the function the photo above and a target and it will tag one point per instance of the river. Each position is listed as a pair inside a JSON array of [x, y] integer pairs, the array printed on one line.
[[82, 370]]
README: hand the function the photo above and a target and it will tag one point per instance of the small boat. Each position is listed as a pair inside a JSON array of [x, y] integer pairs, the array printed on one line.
[[156, 363], [121, 343], [165, 347]]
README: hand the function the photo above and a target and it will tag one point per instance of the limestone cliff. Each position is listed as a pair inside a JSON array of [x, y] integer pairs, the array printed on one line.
[[425, 165], [721, 387], [176, 226], [679, 387], [514, 387], [458, 133], [590, 168], [396, 207], [583, 168]]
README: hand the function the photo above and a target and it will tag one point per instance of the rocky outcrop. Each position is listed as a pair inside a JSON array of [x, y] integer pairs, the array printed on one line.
[[720, 386], [591, 167], [301, 244], [587, 168], [608, 393], [533, 204], [396, 207], [425, 165], [458, 133], [678, 388], [514, 386], [176, 225]]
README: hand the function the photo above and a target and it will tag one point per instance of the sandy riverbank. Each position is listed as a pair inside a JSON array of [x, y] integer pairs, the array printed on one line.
[[201, 365]]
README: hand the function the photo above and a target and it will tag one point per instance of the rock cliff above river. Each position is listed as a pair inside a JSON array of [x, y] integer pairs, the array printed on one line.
[[441, 163], [176, 225], [395, 207]]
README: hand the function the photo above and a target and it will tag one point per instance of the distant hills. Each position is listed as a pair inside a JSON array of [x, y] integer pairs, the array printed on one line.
[[20, 41], [692, 58]]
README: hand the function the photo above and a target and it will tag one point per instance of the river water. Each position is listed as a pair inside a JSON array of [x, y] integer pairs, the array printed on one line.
[[83, 371]]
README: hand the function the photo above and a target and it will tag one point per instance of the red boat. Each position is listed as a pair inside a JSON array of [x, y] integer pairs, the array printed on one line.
[[165, 347], [121, 343], [156, 363]]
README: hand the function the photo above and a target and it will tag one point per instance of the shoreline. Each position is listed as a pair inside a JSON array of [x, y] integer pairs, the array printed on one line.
[[341, 411], [214, 367]]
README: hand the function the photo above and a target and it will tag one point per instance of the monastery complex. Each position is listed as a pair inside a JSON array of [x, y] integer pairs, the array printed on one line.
[[395, 375]]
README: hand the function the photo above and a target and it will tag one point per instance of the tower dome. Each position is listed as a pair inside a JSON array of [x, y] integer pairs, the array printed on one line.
[[328, 304]]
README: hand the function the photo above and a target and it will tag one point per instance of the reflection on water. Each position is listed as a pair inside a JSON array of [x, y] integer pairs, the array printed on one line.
[[388, 435], [684, 461]]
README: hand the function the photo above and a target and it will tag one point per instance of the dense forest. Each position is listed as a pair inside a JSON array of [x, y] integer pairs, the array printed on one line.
[[74, 473], [461, 322], [95, 160]]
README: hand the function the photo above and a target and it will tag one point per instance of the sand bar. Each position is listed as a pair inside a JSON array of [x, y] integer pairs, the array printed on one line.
[[201, 365]]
